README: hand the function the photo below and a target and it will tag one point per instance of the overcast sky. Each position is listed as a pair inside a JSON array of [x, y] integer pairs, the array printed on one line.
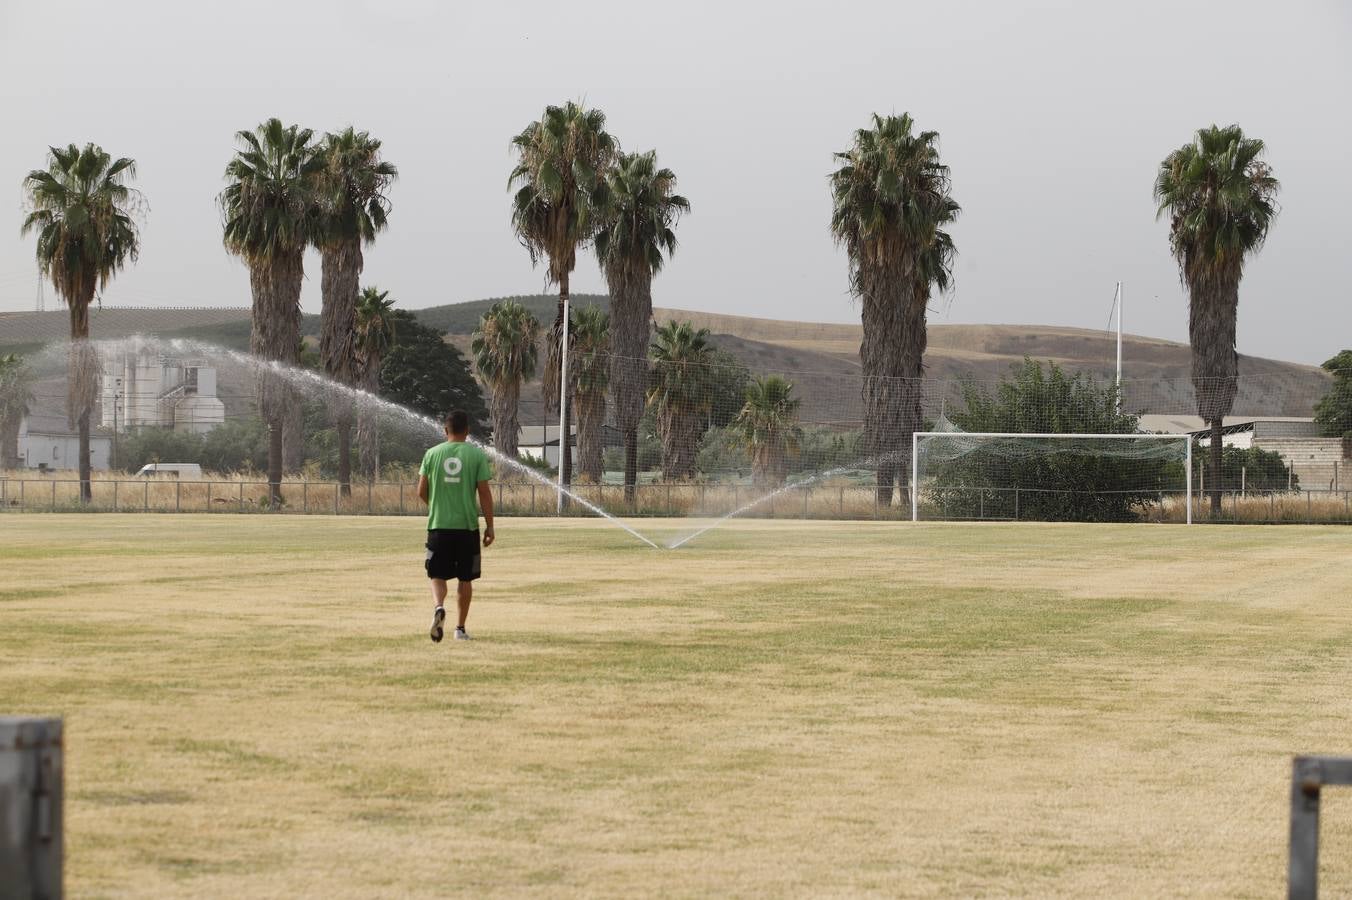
[[1053, 117]]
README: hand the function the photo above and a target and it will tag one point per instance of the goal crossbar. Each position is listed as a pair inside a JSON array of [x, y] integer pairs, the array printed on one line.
[[915, 454]]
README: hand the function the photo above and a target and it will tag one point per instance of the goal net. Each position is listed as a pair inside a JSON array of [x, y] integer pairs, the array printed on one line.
[[1051, 477]]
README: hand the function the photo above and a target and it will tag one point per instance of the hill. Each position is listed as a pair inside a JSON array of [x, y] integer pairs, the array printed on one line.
[[822, 358]]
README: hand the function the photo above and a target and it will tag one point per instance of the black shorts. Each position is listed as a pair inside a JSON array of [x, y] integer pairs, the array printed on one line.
[[453, 554]]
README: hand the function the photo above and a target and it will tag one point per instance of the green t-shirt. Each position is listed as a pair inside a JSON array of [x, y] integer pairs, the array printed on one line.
[[454, 470]]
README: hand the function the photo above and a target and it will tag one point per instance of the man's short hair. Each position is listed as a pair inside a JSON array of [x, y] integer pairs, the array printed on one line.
[[458, 422]]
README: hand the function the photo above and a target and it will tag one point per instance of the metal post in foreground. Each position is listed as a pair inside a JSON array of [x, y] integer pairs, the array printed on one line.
[[1308, 775], [563, 401], [31, 818]]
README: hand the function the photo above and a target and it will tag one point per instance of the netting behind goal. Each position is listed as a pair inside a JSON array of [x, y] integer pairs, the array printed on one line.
[[1051, 477]]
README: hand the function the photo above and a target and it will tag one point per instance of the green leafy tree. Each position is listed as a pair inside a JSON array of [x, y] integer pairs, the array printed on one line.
[[236, 445], [559, 188], [83, 213], [152, 444], [768, 426], [16, 392], [424, 373], [727, 384], [642, 208], [1251, 469], [1333, 412], [270, 207], [353, 210], [1220, 198], [891, 204], [1091, 483], [679, 392], [589, 373], [375, 336], [505, 347]]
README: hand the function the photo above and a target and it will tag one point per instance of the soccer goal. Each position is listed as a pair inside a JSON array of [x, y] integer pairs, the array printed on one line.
[[1051, 477]]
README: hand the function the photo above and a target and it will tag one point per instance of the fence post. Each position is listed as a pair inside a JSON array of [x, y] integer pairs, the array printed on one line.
[[499, 495], [178, 495], [145, 496], [337, 489], [532, 498], [1016, 504], [805, 490], [31, 806], [401, 496], [370, 499], [53, 495], [305, 496], [1243, 481], [115, 484], [241, 496], [668, 498], [1309, 507]]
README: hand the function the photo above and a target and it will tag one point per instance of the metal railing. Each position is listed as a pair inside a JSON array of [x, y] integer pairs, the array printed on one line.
[[818, 500]]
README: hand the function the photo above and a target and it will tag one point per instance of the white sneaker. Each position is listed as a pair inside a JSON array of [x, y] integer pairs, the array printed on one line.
[[461, 634], [436, 631]]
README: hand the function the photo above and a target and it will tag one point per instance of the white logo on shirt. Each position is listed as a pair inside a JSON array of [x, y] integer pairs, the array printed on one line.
[[452, 467]]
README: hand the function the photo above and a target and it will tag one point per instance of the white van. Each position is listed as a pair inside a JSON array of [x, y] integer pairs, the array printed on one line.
[[185, 471]]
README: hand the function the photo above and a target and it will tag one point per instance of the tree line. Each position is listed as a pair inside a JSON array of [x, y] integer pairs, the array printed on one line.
[[573, 187]]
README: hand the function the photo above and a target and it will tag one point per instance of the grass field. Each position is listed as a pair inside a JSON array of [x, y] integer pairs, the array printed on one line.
[[253, 708]]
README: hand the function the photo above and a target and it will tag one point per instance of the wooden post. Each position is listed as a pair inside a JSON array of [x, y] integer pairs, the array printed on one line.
[[401, 496], [178, 495], [305, 496], [31, 807]]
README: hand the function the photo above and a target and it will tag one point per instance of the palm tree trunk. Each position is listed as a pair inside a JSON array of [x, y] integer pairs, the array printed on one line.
[[631, 312], [1213, 306], [892, 355], [340, 279], [82, 387], [503, 407], [631, 465], [1216, 449], [566, 438], [275, 498], [275, 335], [591, 414]]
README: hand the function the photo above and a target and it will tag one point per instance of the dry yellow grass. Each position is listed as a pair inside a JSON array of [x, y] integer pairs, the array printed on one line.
[[254, 709]]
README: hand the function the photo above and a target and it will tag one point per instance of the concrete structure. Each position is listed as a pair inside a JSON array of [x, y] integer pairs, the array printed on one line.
[[47, 442], [1321, 463], [143, 388]]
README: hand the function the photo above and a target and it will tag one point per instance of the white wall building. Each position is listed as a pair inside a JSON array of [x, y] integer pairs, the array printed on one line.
[[47, 442], [144, 388]]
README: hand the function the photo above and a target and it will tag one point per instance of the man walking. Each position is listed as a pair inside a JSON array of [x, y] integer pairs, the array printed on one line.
[[453, 482]]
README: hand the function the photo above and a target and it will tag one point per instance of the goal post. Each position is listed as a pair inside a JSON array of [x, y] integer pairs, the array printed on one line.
[[1059, 476]]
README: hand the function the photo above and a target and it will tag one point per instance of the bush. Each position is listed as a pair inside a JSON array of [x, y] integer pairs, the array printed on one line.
[[1093, 487], [154, 445]]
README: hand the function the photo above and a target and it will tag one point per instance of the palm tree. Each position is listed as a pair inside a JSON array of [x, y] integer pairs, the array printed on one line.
[[270, 213], [375, 335], [1221, 200], [642, 208], [589, 376], [768, 427], [354, 209], [680, 392], [505, 348], [890, 204], [82, 211], [16, 391], [559, 181]]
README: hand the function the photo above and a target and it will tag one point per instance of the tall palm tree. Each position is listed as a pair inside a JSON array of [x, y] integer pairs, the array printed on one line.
[[83, 213], [505, 348], [270, 212], [1221, 199], [768, 428], [375, 335], [680, 391], [641, 212], [559, 182], [16, 392], [589, 375], [891, 202], [353, 210]]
